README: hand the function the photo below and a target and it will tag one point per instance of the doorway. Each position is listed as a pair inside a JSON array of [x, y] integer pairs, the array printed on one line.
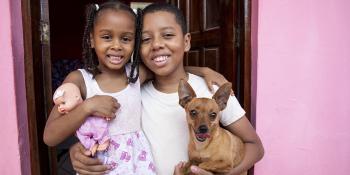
[[53, 34]]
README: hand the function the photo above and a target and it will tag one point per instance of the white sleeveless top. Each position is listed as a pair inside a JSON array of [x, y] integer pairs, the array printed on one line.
[[128, 116]]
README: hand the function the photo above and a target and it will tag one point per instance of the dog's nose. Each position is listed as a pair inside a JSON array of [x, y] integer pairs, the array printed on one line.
[[203, 129]]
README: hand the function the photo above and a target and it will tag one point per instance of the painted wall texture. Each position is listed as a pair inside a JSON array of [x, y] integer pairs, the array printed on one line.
[[302, 61], [14, 150]]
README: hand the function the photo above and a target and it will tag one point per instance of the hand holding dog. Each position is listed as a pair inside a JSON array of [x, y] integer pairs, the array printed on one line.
[[180, 169], [199, 171]]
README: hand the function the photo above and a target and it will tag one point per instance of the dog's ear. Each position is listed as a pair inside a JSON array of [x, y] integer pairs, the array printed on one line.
[[186, 93], [222, 94]]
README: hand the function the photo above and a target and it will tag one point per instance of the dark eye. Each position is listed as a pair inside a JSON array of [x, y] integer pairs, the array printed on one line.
[[106, 37], [146, 39], [193, 113], [168, 35], [126, 39], [212, 116]]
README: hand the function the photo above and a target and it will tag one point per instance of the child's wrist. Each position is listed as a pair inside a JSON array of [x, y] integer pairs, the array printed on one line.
[[206, 70], [86, 107]]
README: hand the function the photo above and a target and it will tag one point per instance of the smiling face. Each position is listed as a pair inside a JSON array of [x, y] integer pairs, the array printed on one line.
[[163, 43], [113, 38]]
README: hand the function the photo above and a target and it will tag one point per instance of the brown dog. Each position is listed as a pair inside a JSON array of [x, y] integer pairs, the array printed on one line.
[[211, 147]]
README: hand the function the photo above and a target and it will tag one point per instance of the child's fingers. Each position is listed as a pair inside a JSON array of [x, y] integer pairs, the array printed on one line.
[[222, 83], [87, 153], [110, 115], [107, 115], [92, 170], [210, 85], [182, 164], [88, 161], [179, 168], [117, 106], [197, 170], [83, 164]]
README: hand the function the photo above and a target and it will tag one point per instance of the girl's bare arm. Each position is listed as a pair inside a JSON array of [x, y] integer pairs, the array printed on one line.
[[61, 126]]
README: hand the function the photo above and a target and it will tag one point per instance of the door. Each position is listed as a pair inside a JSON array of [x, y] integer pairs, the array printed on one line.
[[219, 40], [212, 42], [38, 81]]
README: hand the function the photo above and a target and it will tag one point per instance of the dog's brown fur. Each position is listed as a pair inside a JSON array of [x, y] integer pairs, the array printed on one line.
[[213, 149]]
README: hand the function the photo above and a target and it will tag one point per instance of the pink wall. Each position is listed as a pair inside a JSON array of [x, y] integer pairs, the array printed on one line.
[[14, 150], [302, 61]]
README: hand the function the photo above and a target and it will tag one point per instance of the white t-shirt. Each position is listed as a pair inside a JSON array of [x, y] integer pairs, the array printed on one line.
[[165, 126]]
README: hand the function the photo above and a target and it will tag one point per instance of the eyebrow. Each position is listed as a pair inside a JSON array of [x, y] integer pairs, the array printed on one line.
[[104, 31], [107, 30], [163, 28]]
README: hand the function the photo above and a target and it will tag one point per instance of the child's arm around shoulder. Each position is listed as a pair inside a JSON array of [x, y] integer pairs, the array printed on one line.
[[210, 76]]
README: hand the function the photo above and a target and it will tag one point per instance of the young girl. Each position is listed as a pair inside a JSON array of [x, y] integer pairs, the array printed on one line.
[[108, 44]]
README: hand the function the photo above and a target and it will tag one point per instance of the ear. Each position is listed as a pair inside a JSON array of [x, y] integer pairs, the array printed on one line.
[[78, 98], [222, 94], [92, 42], [186, 93], [187, 40]]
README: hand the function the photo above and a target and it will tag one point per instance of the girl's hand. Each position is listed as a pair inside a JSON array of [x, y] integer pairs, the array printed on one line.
[[197, 170], [102, 105], [83, 164]]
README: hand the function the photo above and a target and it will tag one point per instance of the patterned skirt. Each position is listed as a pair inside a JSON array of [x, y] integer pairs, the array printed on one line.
[[129, 154]]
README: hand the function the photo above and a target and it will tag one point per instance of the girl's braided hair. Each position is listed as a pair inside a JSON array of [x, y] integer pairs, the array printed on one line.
[[89, 55]]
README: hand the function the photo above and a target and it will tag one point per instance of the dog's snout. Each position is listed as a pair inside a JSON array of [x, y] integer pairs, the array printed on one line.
[[203, 129]]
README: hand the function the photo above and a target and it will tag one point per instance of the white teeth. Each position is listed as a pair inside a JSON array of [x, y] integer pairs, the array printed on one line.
[[115, 58], [160, 58]]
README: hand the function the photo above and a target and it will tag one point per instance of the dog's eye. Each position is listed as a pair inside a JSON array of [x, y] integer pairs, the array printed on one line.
[[212, 116], [193, 113]]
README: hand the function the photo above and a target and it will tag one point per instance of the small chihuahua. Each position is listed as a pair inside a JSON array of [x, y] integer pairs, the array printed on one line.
[[211, 147]]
